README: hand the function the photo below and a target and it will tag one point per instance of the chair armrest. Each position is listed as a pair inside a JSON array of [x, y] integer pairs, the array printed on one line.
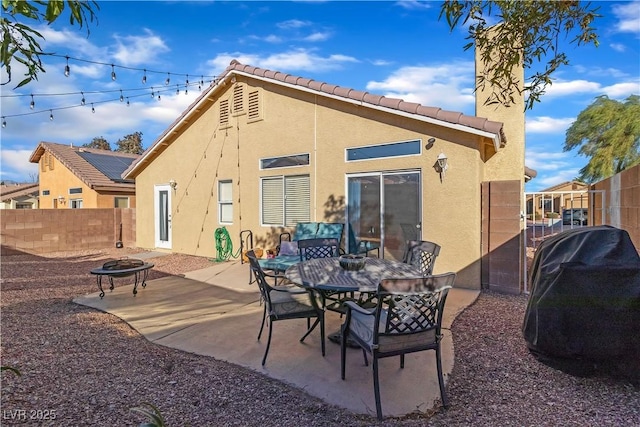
[[289, 290], [351, 305]]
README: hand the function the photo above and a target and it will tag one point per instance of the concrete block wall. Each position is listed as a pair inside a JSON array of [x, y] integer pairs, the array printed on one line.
[[53, 230], [622, 202]]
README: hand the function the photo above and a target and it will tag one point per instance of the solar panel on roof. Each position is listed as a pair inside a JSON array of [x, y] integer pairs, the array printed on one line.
[[111, 166]]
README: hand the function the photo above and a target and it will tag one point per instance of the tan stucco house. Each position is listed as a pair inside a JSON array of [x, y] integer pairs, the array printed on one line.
[[77, 177], [261, 150], [19, 196]]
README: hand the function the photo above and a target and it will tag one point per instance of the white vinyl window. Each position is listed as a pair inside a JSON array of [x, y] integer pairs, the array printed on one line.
[[286, 200], [75, 203], [225, 202]]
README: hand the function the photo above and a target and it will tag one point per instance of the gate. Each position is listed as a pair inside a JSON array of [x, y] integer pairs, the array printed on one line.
[[550, 212]]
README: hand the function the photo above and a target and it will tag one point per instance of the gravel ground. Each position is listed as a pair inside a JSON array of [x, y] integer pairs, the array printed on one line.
[[83, 367]]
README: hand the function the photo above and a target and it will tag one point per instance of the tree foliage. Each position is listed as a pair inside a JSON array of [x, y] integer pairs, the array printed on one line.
[[131, 144], [608, 132], [20, 42], [529, 32], [99, 143]]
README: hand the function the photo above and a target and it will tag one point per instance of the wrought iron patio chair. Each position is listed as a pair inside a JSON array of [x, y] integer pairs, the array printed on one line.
[[324, 248], [422, 254], [407, 318], [280, 303]]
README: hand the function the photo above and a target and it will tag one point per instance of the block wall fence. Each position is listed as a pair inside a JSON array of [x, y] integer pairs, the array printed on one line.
[[50, 230]]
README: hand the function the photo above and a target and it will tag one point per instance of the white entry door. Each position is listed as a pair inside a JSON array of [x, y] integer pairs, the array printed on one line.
[[162, 202]]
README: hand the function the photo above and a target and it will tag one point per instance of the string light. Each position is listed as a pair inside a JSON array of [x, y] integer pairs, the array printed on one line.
[[177, 90], [121, 96], [50, 115], [4, 122], [82, 102], [153, 95], [67, 70], [144, 77], [128, 104], [113, 72], [32, 104], [93, 110], [166, 82]]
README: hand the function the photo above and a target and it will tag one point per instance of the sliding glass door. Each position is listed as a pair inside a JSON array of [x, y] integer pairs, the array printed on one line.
[[384, 207]]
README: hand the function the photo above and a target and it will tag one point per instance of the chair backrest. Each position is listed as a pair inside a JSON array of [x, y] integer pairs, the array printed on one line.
[[330, 230], [422, 254], [263, 285], [411, 306], [305, 230], [318, 248]]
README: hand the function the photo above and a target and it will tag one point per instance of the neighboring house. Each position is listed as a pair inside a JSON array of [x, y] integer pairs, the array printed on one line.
[[262, 150], [77, 177], [550, 202], [19, 196]]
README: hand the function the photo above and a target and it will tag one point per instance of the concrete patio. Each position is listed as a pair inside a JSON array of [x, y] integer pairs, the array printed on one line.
[[216, 312]]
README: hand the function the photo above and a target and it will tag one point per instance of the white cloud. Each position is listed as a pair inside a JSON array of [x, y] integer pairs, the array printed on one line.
[[629, 17], [448, 86], [414, 4], [294, 60], [572, 87], [16, 165], [618, 47], [292, 23], [622, 90], [318, 37], [272, 38], [135, 50], [545, 124]]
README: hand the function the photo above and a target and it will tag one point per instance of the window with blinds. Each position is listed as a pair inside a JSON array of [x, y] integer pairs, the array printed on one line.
[[225, 202], [286, 200]]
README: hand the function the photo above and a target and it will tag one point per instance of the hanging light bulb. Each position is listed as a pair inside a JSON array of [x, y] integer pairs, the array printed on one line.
[[201, 83], [51, 115], [32, 104], [83, 101], [144, 77], [187, 82], [113, 72], [67, 70], [153, 95], [166, 82], [186, 90], [158, 97], [4, 122], [93, 110], [177, 90], [128, 104], [121, 96]]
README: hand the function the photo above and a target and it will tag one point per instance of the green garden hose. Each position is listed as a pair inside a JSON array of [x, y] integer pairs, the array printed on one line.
[[224, 245]]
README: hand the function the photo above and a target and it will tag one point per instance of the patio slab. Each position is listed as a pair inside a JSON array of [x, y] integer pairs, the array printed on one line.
[[216, 312]]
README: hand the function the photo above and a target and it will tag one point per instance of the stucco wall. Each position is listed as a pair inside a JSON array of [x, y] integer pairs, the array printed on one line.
[[42, 231], [622, 202], [296, 122]]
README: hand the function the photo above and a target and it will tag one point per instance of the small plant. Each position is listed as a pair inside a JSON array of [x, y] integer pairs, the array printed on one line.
[[152, 413]]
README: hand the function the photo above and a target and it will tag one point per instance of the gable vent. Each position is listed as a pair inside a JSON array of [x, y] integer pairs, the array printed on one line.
[[254, 108], [224, 112], [238, 99]]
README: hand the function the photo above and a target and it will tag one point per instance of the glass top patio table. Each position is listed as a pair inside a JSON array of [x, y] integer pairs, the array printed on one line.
[[325, 274]]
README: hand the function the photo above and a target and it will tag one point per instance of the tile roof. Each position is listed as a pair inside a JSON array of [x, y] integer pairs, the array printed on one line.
[[8, 192], [97, 173], [434, 114]]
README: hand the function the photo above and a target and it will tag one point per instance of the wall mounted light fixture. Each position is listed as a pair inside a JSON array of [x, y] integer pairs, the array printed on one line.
[[61, 199], [173, 184], [441, 165]]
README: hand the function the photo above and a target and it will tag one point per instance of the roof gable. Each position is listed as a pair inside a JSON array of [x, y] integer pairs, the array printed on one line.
[[452, 119], [99, 169]]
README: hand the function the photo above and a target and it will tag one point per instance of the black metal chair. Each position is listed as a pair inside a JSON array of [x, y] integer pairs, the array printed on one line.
[[422, 254], [281, 304], [324, 248], [407, 318]]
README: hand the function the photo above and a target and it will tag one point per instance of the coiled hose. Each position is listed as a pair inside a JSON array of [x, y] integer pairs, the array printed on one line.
[[224, 245]]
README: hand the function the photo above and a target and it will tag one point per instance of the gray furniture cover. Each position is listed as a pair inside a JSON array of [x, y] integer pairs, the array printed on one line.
[[585, 295]]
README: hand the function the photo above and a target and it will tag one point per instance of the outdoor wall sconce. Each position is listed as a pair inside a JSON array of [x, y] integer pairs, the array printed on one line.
[[441, 165], [61, 199], [173, 184], [430, 143]]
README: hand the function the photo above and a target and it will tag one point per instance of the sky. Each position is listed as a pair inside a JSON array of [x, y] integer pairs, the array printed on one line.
[[396, 49]]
